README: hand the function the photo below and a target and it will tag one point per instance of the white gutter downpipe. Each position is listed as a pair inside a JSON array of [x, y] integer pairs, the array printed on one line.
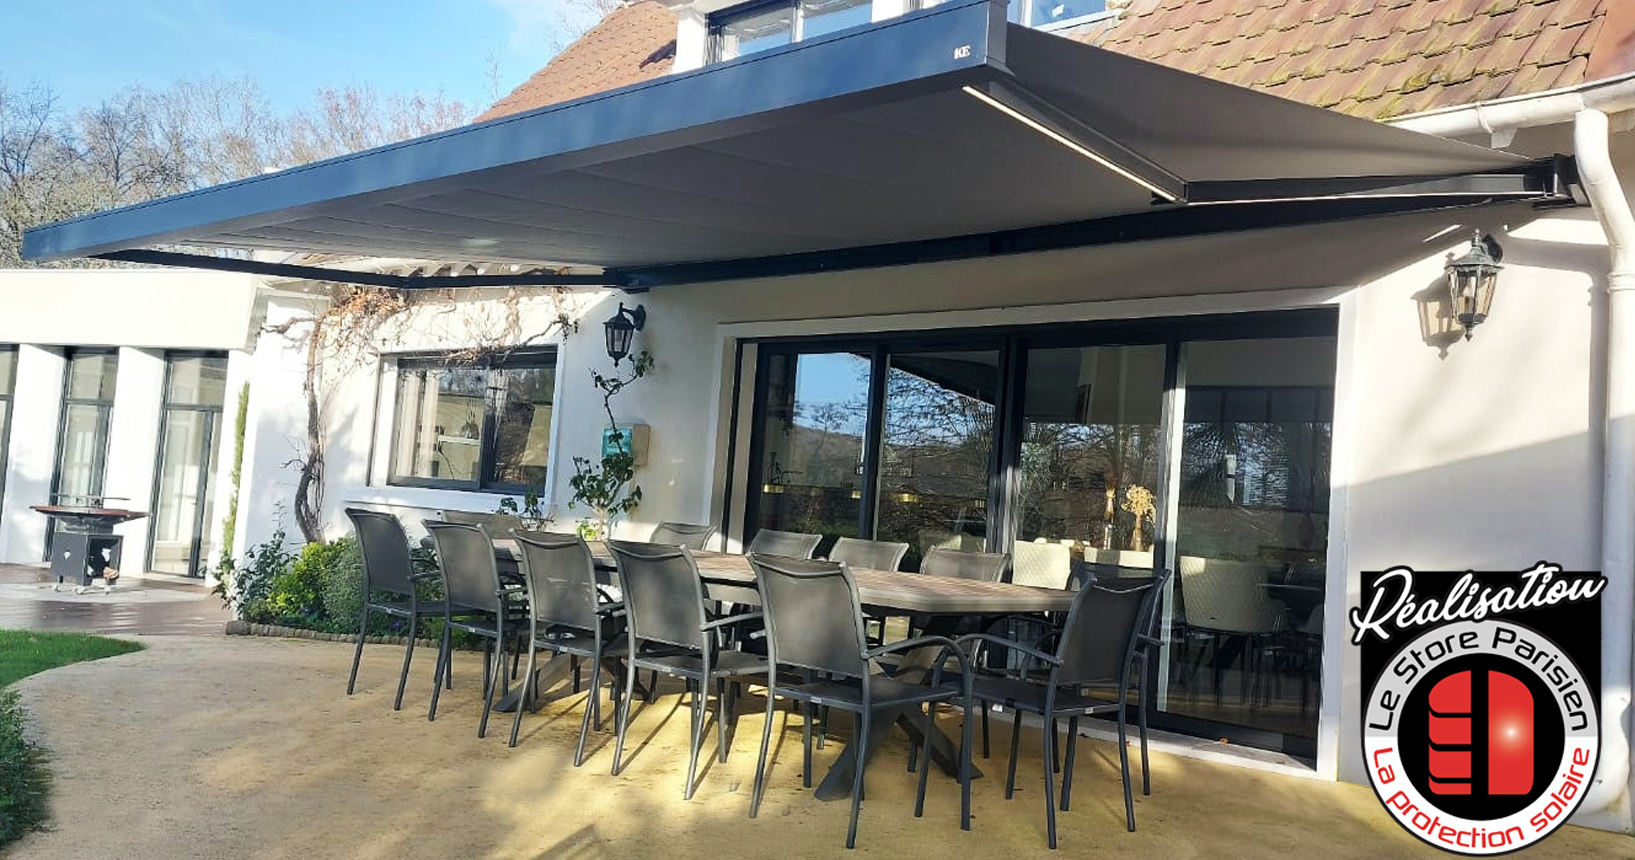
[[1607, 803]]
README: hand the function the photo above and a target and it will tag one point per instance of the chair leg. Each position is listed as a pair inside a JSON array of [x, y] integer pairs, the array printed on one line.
[[408, 655], [806, 714], [861, 722], [653, 687], [357, 655], [965, 770], [1016, 742], [1056, 760], [592, 707], [495, 681], [445, 667], [1050, 780], [621, 712], [488, 664], [1146, 776], [985, 709], [527, 692], [700, 712], [925, 757], [573, 669], [1067, 772], [1124, 762], [448, 658], [514, 658], [721, 718], [766, 742]]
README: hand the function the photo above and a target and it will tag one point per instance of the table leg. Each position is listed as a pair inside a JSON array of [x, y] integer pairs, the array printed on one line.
[[837, 783]]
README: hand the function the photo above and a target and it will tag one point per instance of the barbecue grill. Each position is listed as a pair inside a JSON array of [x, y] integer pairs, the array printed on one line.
[[85, 545]]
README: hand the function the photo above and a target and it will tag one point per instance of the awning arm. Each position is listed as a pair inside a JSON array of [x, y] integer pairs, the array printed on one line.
[[365, 279], [1034, 111]]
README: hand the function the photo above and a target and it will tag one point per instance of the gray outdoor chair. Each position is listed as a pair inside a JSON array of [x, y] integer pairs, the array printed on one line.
[[814, 622], [475, 601], [671, 630], [389, 584], [567, 615], [689, 535], [981, 566], [1104, 640], [869, 554], [788, 544]]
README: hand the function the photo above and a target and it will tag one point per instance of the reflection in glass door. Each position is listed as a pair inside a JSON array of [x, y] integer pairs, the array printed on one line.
[[8, 381], [812, 438], [1090, 464], [82, 446], [1251, 536], [184, 489], [936, 450]]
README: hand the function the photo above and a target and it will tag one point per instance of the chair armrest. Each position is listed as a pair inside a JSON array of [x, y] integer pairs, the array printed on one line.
[[729, 620], [425, 574], [909, 645], [1011, 645], [510, 590], [610, 608]]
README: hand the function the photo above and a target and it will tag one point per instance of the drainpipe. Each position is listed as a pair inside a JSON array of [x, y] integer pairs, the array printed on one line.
[[1500, 118], [1607, 803]]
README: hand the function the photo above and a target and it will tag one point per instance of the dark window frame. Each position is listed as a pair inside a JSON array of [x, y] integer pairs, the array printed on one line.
[[487, 435], [1016, 341], [105, 410], [166, 406], [8, 396]]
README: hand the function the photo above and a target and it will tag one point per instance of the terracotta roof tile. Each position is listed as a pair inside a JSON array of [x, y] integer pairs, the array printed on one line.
[[1371, 58]]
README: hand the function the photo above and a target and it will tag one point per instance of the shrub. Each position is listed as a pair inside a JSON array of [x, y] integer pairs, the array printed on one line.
[[250, 587], [298, 593], [23, 777]]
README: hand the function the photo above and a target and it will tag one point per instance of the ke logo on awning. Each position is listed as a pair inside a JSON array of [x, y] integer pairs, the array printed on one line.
[[1480, 724]]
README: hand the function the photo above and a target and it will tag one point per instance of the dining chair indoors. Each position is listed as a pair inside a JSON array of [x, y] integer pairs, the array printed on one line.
[[789, 544], [475, 602], [1105, 637], [389, 587], [568, 616], [814, 623], [672, 630], [690, 535]]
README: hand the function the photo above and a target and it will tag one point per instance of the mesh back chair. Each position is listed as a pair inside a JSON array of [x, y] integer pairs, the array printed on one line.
[[958, 564], [475, 602], [388, 586], [788, 544], [1104, 639], [689, 535], [672, 630], [869, 554], [567, 616], [814, 623]]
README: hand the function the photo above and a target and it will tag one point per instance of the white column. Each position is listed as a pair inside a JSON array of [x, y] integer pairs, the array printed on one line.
[[274, 429], [32, 456], [133, 445], [692, 39]]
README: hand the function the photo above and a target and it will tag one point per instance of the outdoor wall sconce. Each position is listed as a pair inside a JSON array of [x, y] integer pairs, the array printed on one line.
[[1471, 282], [621, 328]]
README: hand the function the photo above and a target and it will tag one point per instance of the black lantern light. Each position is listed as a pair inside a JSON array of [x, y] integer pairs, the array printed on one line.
[[621, 328], [1471, 281]]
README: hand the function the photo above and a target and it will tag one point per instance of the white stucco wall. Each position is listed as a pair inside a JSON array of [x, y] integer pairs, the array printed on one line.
[[133, 445], [31, 457]]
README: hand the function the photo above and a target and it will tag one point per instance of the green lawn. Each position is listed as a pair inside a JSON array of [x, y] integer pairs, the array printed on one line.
[[25, 652], [23, 777]]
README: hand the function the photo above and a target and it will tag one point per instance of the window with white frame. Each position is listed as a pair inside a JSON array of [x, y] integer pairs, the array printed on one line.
[[465, 426], [759, 26], [1048, 13]]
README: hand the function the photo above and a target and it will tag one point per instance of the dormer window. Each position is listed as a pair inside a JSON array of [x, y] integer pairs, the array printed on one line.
[[759, 26], [1048, 14]]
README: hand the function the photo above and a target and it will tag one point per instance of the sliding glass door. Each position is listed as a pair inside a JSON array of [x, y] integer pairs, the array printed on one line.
[[82, 443], [1096, 452]]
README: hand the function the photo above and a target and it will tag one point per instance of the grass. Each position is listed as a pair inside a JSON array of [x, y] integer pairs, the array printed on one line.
[[23, 776]]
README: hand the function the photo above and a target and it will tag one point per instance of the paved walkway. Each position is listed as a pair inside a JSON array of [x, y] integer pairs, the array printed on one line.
[[136, 606], [247, 748]]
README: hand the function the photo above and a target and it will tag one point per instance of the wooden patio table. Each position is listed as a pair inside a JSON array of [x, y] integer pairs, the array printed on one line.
[[729, 577]]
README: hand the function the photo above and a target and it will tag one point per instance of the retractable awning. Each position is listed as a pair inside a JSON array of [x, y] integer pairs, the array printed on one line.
[[943, 134]]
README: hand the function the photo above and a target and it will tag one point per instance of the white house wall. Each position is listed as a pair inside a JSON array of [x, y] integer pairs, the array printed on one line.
[[36, 407]]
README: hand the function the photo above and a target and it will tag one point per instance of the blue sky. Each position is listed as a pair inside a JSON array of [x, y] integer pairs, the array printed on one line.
[[88, 49]]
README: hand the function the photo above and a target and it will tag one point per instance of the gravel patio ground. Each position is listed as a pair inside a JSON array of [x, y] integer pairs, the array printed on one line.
[[233, 747]]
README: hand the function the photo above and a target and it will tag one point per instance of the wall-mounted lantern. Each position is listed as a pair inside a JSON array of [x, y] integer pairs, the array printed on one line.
[[621, 329], [1472, 280]]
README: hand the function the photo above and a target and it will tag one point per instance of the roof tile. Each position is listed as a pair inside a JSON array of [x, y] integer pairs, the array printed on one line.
[[1373, 58]]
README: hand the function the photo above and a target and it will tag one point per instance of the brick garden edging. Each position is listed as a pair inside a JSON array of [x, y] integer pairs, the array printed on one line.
[[278, 631]]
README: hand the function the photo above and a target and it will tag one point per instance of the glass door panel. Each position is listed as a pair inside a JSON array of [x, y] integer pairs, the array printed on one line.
[[813, 429], [1245, 624], [936, 450], [1090, 465], [187, 466]]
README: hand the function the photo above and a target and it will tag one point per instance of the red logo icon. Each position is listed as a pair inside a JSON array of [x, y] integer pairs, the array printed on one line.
[[1480, 721]]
